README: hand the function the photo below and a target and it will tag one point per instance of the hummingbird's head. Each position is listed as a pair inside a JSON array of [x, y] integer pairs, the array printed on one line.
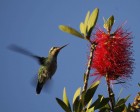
[[55, 50]]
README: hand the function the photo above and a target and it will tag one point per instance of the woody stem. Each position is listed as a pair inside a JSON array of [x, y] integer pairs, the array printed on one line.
[[110, 93], [86, 75]]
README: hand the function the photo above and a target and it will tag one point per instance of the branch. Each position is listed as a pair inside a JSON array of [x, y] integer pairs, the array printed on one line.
[[86, 75], [110, 93]]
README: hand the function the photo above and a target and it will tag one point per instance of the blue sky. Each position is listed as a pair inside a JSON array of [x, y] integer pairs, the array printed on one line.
[[33, 25]]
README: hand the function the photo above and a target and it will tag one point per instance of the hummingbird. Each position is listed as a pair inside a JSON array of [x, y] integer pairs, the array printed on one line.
[[48, 65]]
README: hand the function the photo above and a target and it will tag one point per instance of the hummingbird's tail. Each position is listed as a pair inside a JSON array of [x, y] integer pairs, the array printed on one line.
[[39, 87]]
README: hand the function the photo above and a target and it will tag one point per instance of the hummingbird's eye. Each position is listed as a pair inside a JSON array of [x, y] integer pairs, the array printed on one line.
[[52, 49]]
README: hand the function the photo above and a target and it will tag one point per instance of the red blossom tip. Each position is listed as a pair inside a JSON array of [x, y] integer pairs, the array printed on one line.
[[113, 55]]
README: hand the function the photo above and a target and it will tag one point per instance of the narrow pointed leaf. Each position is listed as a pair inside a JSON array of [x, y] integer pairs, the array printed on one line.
[[77, 93], [109, 23], [139, 84], [104, 20], [76, 104], [63, 105], [79, 109], [92, 21], [83, 98], [120, 102], [83, 28], [93, 18], [90, 92], [71, 31], [90, 110], [87, 18], [103, 103], [86, 22], [65, 98], [119, 108], [100, 102], [88, 105], [76, 100], [119, 94], [96, 103], [105, 109], [127, 98]]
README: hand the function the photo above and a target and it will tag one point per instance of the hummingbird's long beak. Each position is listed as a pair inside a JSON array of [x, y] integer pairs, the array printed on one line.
[[63, 46]]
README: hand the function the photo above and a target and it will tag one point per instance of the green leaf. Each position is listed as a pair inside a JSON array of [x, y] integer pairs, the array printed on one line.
[[105, 109], [80, 107], [77, 93], [104, 20], [119, 94], [83, 97], [93, 18], [63, 105], [77, 101], [65, 98], [87, 18], [76, 104], [84, 25], [103, 103], [127, 98], [92, 21], [96, 103], [109, 23], [90, 110], [88, 105], [71, 31], [83, 28], [120, 108], [90, 92], [100, 102], [139, 84], [121, 102]]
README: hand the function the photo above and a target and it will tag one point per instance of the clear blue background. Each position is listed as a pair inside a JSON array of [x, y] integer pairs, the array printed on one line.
[[33, 25]]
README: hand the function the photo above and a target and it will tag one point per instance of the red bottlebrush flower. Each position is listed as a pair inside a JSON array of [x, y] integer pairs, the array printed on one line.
[[113, 55]]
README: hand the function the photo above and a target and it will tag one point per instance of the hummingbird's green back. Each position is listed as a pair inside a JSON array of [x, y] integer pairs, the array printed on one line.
[[47, 70]]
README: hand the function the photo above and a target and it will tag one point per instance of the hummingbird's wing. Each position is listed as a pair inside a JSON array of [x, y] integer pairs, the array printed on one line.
[[26, 52]]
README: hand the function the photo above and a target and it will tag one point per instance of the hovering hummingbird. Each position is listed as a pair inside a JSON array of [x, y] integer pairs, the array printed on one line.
[[48, 64]]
